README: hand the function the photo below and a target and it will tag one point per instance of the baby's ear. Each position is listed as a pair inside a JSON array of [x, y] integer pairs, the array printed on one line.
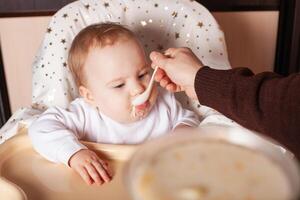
[[86, 94]]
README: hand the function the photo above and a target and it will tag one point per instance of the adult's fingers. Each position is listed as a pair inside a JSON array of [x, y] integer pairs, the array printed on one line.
[[165, 81], [103, 173], [84, 175], [172, 87], [171, 52], [159, 75], [158, 59], [93, 172]]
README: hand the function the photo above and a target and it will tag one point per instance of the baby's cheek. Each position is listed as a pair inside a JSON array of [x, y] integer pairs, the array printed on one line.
[[122, 112], [115, 104], [146, 80], [122, 106]]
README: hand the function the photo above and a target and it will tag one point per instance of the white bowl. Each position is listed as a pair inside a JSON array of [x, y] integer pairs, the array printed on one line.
[[238, 165]]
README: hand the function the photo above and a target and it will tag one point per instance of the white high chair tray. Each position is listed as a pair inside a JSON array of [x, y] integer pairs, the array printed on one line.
[[24, 174]]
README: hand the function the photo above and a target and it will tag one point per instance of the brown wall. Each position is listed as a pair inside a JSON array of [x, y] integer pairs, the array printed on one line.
[[250, 37]]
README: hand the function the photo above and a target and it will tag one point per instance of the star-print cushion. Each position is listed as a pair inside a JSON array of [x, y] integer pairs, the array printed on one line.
[[159, 24]]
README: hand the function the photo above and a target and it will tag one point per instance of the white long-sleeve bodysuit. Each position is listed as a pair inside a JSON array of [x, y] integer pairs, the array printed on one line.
[[56, 133]]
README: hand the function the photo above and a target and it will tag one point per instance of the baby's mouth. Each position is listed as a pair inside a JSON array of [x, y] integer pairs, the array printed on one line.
[[140, 111], [142, 106]]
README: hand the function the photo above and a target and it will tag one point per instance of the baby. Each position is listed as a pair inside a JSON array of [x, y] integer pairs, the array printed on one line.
[[110, 70]]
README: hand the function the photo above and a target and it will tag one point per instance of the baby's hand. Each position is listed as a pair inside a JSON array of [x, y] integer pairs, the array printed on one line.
[[90, 167]]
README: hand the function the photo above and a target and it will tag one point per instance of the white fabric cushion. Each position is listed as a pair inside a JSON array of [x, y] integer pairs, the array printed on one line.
[[158, 24]]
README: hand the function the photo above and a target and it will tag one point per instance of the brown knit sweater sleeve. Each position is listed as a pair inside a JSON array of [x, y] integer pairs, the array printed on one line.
[[266, 102]]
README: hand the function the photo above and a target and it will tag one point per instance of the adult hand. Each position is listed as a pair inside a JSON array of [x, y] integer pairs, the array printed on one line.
[[177, 70], [90, 167]]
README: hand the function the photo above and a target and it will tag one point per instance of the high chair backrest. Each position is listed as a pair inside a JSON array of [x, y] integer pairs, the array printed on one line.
[[159, 25]]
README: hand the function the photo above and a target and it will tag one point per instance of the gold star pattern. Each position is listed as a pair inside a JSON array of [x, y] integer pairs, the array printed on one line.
[[200, 24], [106, 4], [177, 35], [87, 6], [49, 30], [174, 14], [65, 15], [63, 41]]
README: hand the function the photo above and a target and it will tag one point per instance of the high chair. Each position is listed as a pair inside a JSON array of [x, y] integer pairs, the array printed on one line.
[[159, 25]]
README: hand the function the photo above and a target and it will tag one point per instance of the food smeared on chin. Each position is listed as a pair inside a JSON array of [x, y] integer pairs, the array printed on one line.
[[142, 106], [139, 111]]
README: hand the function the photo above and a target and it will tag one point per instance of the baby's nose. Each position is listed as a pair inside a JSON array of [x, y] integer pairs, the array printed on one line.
[[138, 89]]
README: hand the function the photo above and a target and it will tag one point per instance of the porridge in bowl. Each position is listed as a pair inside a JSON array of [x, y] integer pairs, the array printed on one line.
[[206, 169]]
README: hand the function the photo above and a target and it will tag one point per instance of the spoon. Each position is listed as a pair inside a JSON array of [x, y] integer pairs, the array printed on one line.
[[145, 95]]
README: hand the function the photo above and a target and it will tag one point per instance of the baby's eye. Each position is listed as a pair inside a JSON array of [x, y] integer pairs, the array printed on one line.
[[119, 86], [142, 75]]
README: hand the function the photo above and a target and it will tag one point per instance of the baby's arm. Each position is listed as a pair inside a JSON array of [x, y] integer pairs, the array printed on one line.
[[56, 132], [55, 136]]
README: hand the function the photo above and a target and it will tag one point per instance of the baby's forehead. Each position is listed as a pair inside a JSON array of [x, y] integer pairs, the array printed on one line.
[[115, 60], [121, 52]]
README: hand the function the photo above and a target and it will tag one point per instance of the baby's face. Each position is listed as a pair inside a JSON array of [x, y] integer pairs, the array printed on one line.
[[115, 76]]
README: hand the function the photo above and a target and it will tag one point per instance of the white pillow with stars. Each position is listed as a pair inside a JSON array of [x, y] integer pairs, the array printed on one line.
[[159, 24]]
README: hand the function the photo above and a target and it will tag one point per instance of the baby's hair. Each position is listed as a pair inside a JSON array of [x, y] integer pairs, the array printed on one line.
[[95, 35]]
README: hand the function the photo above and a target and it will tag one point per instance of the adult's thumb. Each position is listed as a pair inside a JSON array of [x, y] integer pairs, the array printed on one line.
[[158, 59]]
